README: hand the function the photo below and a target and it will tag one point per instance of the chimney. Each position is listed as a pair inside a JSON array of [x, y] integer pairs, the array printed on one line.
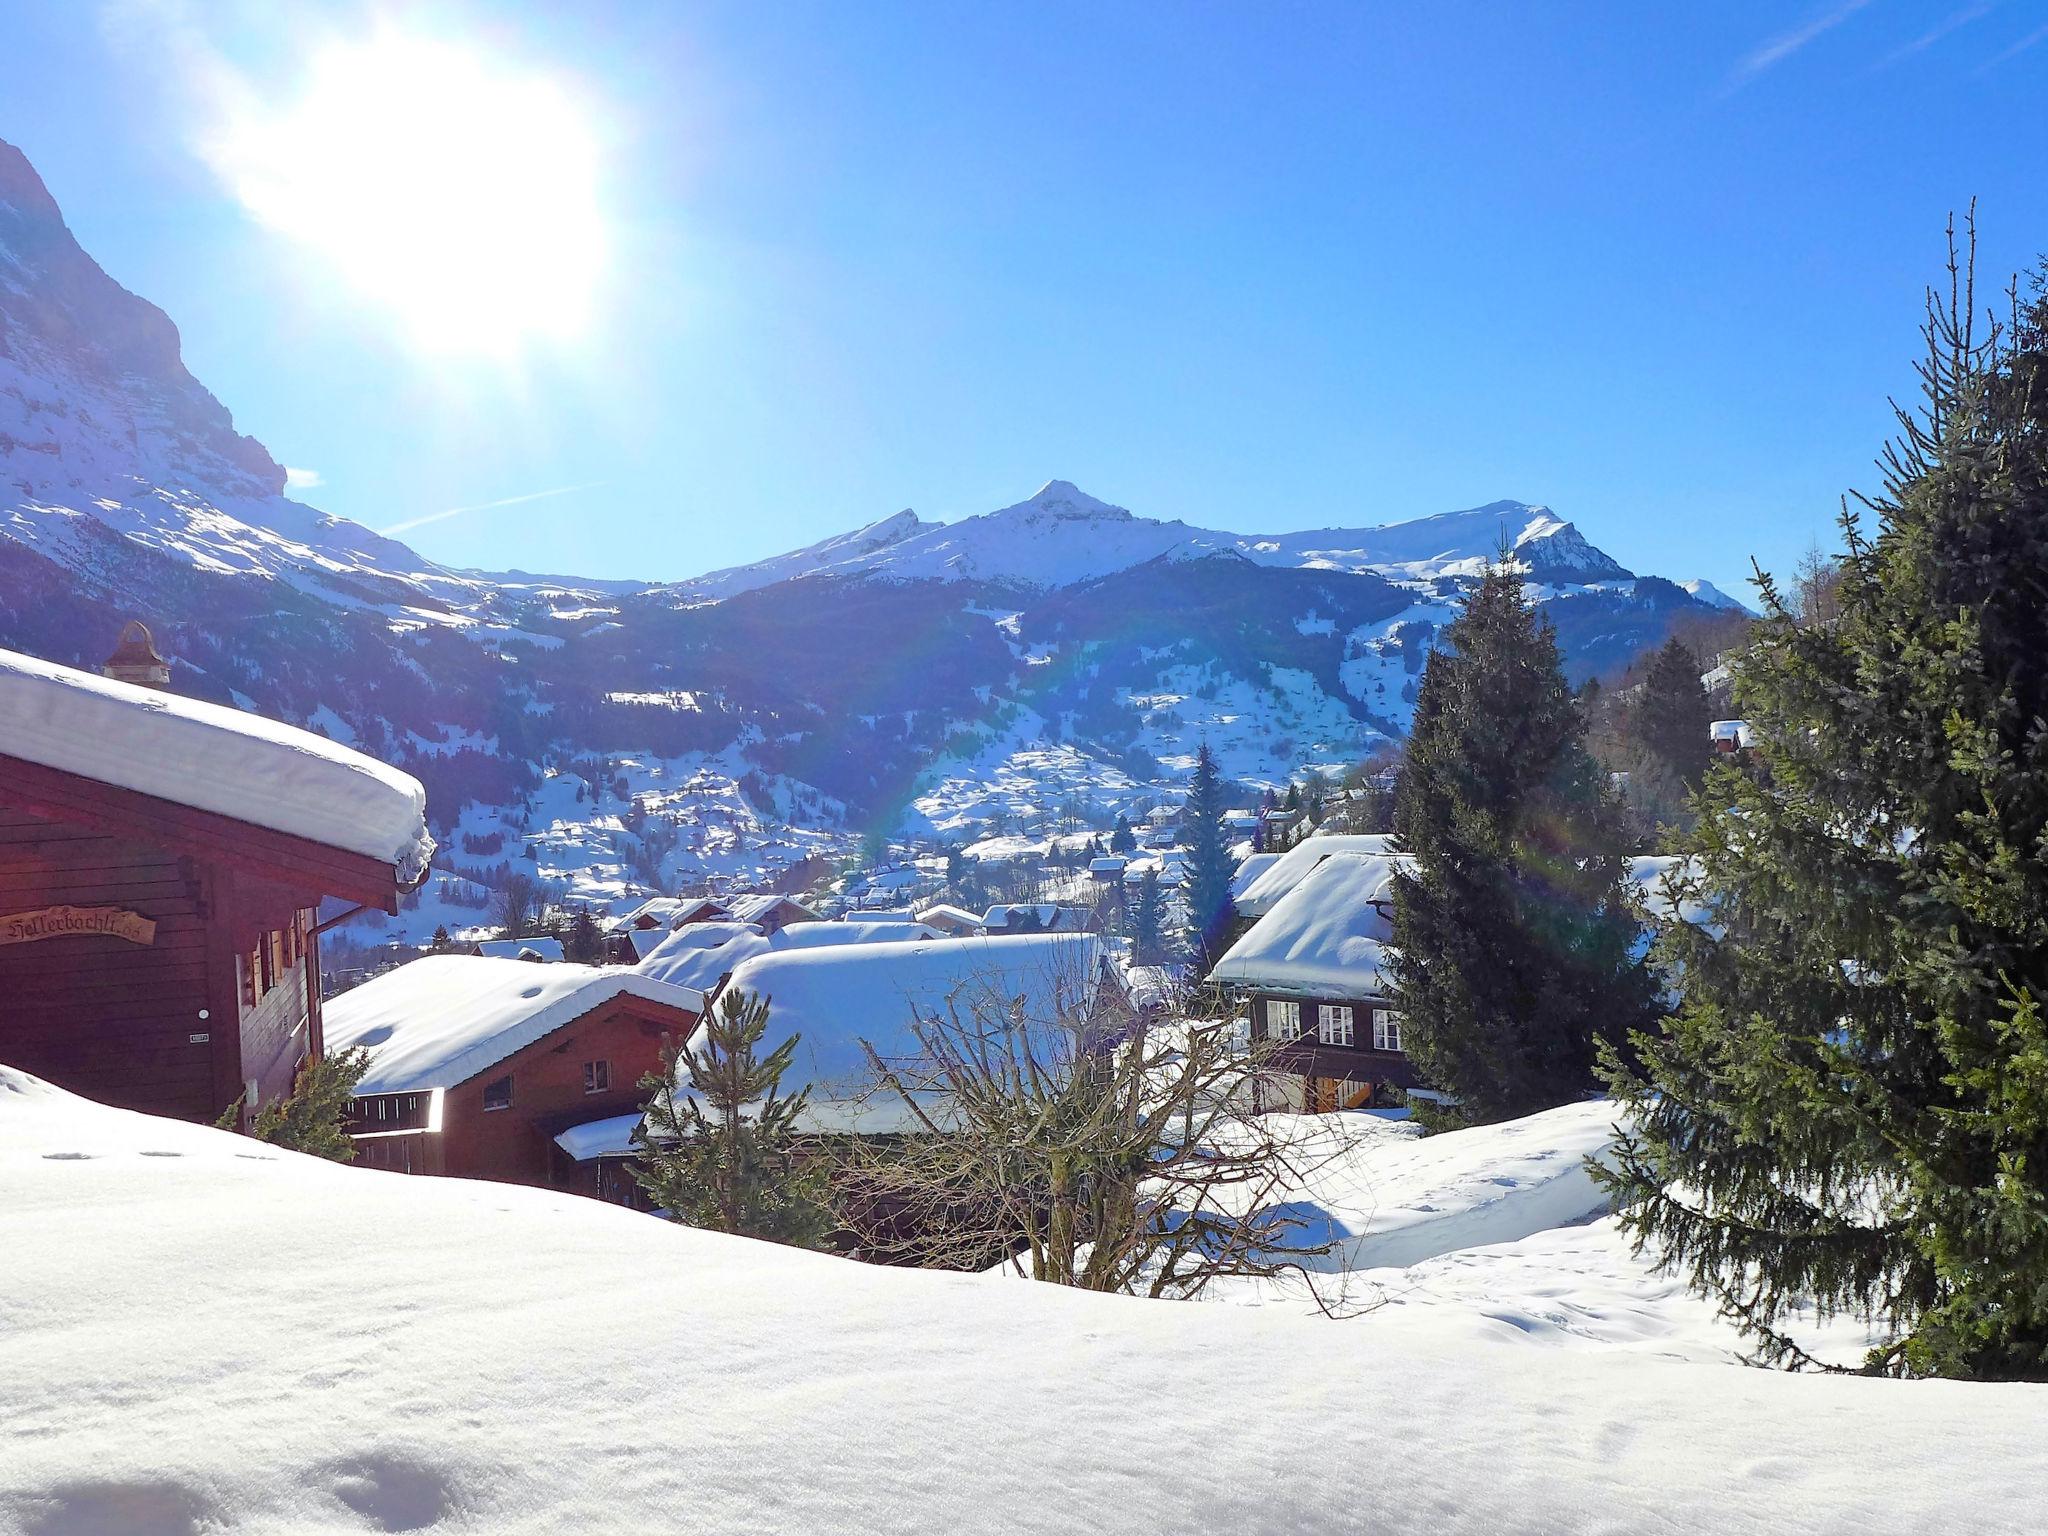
[[135, 659]]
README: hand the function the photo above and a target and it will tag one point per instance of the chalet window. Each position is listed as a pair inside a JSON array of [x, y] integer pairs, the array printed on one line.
[[1386, 1030], [1283, 1021], [252, 979], [498, 1092], [597, 1077], [1333, 1023]]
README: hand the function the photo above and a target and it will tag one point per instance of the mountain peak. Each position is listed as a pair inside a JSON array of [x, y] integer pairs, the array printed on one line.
[[1063, 498]]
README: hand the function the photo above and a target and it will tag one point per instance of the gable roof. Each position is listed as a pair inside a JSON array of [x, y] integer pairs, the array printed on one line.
[[755, 908], [440, 1020], [1264, 891], [227, 762], [1325, 935]]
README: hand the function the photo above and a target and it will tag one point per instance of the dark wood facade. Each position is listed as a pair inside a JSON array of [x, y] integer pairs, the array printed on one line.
[[1310, 1044], [501, 1122], [155, 956]]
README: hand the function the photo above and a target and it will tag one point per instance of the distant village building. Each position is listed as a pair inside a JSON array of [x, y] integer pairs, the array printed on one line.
[[1731, 736], [539, 947], [1038, 917], [954, 922], [162, 866], [478, 1065]]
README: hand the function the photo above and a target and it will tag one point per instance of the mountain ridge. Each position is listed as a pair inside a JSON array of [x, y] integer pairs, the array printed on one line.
[[1062, 656]]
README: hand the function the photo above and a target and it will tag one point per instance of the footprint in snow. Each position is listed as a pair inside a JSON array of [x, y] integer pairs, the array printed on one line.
[[67, 1157]]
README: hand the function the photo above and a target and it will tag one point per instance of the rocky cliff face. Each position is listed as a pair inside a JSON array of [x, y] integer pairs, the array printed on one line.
[[94, 395]]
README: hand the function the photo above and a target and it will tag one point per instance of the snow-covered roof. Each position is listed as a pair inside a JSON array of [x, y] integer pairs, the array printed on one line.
[[666, 912], [1249, 869], [596, 1138], [1324, 936], [847, 931], [1040, 917], [1288, 869], [1737, 731], [541, 947], [839, 996], [683, 961], [753, 908], [880, 915], [213, 758], [1108, 864], [442, 1019], [940, 913]]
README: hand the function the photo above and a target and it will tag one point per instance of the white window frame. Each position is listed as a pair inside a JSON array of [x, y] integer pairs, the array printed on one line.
[[1283, 1019], [1335, 1024], [1386, 1031]]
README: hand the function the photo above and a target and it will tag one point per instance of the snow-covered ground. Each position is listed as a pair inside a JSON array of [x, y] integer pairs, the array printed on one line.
[[201, 1334]]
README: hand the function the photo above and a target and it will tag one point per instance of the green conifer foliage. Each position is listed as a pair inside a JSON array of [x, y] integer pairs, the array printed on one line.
[[1670, 720], [1851, 1104], [312, 1117], [1210, 909], [1513, 939], [1148, 922], [727, 1156]]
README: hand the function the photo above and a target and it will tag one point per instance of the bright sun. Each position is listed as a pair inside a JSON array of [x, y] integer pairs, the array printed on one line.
[[458, 191]]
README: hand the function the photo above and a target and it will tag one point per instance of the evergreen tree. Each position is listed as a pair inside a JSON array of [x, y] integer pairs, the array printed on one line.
[[585, 940], [1851, 1104], [1513, 939], [441, 942], [1671, 718], [312, 1117], [1122, 839], [1148, 922], [726, 1157], [1210, 910]]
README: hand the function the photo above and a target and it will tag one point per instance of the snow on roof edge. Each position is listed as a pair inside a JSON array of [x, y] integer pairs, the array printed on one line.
[[213, 758]]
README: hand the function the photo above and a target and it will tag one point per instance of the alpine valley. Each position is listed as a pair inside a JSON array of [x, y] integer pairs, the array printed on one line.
[[946, 682]]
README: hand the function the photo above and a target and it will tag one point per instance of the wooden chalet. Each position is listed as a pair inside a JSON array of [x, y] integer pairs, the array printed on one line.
[[1310, 970], [162, 865], [477, 1065]]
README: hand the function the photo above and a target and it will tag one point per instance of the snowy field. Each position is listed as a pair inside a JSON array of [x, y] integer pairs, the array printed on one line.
[[198, 1333]]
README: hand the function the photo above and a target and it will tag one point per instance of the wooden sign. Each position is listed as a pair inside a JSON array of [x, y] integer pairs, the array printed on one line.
[[63, 922]]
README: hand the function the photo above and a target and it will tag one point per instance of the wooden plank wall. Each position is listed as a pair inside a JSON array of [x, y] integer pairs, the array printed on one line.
[[96, 1014]]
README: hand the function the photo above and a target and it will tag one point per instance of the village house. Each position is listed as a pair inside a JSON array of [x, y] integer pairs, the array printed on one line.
[[1311, 971], [162, 866], [477, 1065], [954, 922], [1731, 736], [1038, 917]]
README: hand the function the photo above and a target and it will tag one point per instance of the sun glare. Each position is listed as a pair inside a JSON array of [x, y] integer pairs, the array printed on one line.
[[455, 190]]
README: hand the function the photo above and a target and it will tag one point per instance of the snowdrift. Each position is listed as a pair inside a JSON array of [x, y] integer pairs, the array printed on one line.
[[200, 1333]]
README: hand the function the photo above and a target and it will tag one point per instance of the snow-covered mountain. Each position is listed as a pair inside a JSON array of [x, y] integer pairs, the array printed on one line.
[[1062, 536], [1061, 657]]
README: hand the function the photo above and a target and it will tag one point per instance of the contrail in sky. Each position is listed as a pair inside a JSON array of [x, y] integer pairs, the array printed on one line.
[[485, 506]]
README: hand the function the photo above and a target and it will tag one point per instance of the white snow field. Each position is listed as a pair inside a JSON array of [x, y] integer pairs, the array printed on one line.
[[199, 1334]]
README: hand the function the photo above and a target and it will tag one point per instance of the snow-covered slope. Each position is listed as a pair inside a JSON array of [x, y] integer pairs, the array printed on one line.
[[207, 1334]]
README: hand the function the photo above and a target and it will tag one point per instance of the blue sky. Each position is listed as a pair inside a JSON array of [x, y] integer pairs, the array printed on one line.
[[1258, 267]]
